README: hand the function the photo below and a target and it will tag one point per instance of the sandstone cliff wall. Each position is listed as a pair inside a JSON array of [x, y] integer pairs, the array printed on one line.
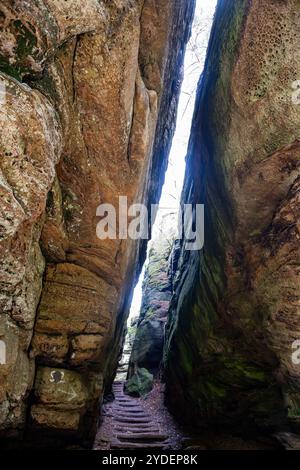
[[88, 115], [235, 313]]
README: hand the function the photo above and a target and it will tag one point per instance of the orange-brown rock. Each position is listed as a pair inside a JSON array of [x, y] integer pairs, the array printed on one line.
[[89, 116]]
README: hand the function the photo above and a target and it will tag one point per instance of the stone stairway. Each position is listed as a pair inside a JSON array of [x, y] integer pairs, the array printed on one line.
[[131, 426]]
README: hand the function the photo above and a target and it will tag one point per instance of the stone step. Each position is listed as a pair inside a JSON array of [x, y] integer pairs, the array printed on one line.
[[132, 420], [137, 433], [135, 445], [137, 427], [137, 430], [120, 399], [128, 403], [130, 417], [128, 409], [124, 399], [127, 406], [142, 437], [150, 424]]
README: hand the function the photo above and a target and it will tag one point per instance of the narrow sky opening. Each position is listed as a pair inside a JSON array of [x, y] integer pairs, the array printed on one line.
[[193, 67]]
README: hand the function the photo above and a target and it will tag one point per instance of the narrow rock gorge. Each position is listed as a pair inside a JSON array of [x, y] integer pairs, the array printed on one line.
[[89, 93]]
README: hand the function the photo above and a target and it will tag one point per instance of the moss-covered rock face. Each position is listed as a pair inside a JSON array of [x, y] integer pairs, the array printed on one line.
[[233, 318], [25, 46]]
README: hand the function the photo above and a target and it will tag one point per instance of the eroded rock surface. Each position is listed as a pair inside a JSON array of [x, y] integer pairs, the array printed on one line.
[[30, 144], [93, 122], [235, 313]]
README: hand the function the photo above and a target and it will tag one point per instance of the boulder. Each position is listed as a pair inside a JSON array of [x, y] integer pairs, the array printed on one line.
[[140, 383]]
